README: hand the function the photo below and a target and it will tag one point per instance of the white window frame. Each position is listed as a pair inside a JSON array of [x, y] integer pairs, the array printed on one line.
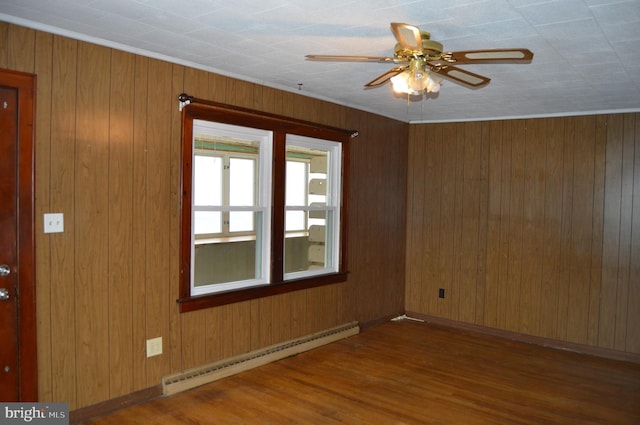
[[334, 198], [262, 206]]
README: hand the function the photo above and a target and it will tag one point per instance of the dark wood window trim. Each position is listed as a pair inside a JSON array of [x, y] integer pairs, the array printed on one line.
[[280, 126]]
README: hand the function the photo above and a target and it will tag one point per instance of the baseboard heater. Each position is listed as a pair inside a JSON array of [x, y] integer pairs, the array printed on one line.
[[195, 377]]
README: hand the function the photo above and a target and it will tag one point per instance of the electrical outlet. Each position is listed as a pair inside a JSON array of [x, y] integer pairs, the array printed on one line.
[[154, 346], [441, 293]]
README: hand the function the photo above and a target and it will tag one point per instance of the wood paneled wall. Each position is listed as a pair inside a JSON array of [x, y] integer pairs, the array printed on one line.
[[530, 226], [108, 157]]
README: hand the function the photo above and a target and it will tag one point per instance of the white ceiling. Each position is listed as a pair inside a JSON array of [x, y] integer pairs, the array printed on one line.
[[587, 52]]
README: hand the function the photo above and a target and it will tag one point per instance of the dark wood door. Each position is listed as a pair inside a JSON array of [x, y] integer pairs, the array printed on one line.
[[18, 376], [9, 388]]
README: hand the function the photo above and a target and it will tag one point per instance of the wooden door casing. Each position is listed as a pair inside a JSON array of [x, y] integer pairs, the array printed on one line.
[[21, 89]]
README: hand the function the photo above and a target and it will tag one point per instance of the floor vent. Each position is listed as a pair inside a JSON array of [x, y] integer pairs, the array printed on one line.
[[195, 377]]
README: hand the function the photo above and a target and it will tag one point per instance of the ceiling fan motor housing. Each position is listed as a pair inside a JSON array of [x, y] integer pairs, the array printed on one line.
[[431, 49]]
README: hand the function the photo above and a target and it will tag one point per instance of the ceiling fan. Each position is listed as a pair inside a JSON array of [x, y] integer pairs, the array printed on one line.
[[421, 60]]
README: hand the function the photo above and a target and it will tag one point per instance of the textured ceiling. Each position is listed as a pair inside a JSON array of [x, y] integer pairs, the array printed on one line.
[[587, 52]]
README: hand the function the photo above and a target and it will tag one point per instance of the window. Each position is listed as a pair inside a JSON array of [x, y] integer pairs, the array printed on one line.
[[231, 184], [263, 206], [312, 205]]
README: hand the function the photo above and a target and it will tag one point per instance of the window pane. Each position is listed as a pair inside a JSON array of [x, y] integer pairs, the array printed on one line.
[[219, 263], [296, 194], [296, 190], [207, 180], [242, 182], [295, 220], [241, 221], [295, 254], [226, 265], [313, 251], [205, 222]]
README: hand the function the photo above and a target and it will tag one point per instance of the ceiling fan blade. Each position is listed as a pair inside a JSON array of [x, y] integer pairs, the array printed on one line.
[[460, 75], [407, 35], [493, 55], [341, 58], [378, 81]]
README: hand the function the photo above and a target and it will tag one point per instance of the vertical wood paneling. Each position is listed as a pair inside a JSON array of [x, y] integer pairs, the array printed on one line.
[[175, 165], [43, 70], [556, 251], [633, 336], [447, 223], [481, 261], [505, 239], [414, 216], [120, 200], [599, 165], [457, 234], [61, 187], [626, 205], [241, 317], [263, 323], [161, 104], [566, 228], [281, 326], [549, 288], [532, 226], [430, 235], [470, 225], [581, 228], [611, 236], [4, 44], [91, 204], [22, 46], [516, 134], [139, 199], [213, 340], [494, 202], [377, 216]]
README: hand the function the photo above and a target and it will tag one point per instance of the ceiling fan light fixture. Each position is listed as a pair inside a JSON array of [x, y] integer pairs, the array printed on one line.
[[416, 82]]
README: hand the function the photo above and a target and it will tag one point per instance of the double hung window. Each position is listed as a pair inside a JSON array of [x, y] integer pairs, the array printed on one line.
[[263, 207], [312, 204], [231, 184]]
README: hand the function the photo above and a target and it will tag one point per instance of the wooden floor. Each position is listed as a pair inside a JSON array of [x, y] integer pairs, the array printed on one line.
[[411, 373]]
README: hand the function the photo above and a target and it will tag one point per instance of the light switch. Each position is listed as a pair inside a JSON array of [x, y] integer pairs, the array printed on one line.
[[54, 223]]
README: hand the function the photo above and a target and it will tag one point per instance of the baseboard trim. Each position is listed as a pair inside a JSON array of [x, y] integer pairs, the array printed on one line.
[[104, 408], [530, 339], [379, 321], [196, 377]]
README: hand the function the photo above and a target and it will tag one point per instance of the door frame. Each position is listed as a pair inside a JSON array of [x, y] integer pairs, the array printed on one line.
[[25, 244]]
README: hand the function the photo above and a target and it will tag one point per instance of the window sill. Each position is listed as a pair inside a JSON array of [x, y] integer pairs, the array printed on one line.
[[224, 239], [214, 300], [246, 238]]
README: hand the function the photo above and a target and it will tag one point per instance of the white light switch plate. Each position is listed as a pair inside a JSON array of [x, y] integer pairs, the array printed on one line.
[[54, 223]]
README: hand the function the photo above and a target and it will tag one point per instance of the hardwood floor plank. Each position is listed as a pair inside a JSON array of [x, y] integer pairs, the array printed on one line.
[[411, 373]]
